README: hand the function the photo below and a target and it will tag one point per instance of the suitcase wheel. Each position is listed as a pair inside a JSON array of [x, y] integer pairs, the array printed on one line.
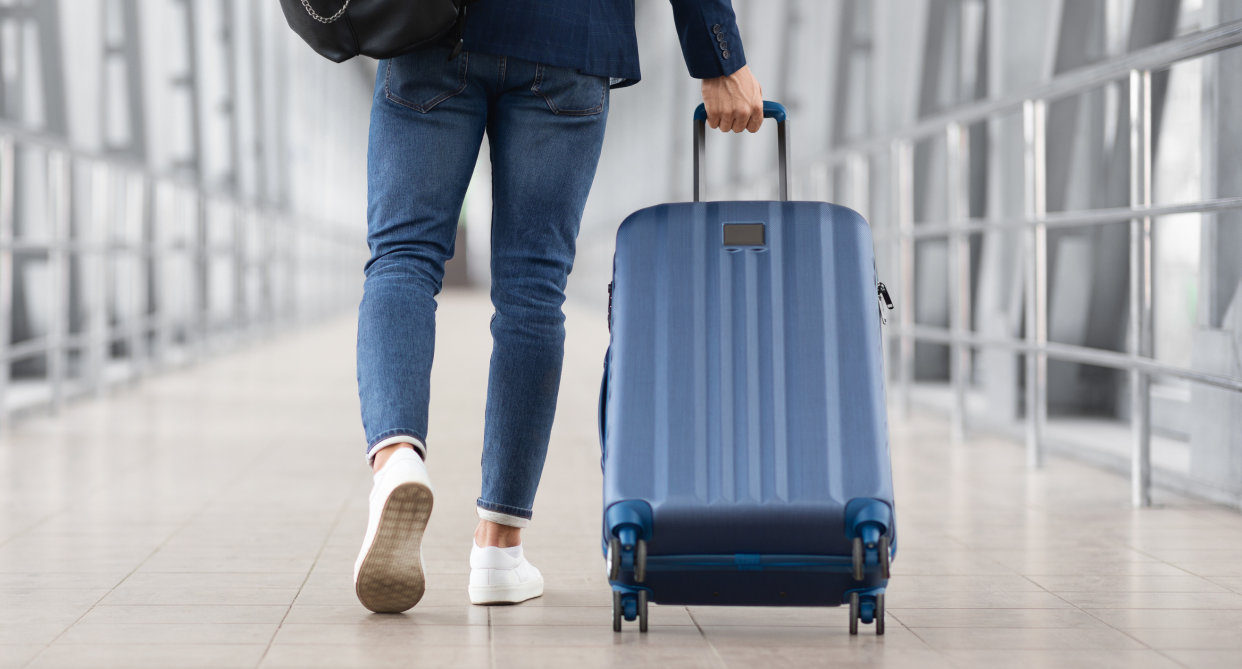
[[868, 609], [640, 561], [879, 614], [853, 612], [885, 556], [629, 606], [642, 611], [627, 546], [860, 561], [869, 527], [614, 559], [871, 550], [616, 610]]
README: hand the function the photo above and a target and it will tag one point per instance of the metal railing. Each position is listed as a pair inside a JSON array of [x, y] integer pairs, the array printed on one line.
[[1138, 362], [121, 271]]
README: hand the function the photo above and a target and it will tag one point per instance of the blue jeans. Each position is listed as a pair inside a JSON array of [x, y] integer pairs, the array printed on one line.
[[545, 127]]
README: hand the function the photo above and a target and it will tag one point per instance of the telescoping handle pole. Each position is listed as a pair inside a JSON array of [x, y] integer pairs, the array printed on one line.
[[770, 110]]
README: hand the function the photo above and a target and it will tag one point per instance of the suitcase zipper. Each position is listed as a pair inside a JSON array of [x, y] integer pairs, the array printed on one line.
[[881, 290], [610, 306]]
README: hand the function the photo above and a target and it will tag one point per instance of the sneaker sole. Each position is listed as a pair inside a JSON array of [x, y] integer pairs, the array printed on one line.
[[391, 578], [505, 594]]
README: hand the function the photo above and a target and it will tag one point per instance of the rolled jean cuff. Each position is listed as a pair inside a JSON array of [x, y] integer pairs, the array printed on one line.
[[396, 437], [502, 514]]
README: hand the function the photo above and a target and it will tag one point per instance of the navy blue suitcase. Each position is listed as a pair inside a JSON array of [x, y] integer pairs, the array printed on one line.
[[742, 411]]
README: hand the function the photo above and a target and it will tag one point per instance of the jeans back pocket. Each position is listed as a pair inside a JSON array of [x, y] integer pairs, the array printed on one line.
[[423, 79], [570, 92]]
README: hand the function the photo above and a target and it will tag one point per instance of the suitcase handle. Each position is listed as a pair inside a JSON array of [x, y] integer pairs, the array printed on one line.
[[773, 110]]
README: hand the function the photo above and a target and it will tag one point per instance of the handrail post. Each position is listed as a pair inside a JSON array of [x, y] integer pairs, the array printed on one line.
[[97, 285], [958, 183], [200, 241], [903, 187], [8, 183], [138, 204], [1034, 114], [1140, 343], [58, 194], [237, 222]]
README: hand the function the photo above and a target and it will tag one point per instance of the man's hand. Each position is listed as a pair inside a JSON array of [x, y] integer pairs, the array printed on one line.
[[734, 102]]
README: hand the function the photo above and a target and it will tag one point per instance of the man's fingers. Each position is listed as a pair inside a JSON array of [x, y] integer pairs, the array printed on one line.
[[732, 111], [740, 122], [756, 120], [731, 101]]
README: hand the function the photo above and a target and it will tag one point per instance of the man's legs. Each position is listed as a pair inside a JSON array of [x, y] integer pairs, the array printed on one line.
[[545, 130], [419, 164], [546, 127], [427, 122]]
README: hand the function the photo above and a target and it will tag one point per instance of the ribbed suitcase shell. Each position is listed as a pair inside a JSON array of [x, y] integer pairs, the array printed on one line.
[[744, 392]]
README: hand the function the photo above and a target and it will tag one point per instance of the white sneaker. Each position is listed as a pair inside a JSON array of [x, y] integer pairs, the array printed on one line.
[[497, 576], [388, 576]]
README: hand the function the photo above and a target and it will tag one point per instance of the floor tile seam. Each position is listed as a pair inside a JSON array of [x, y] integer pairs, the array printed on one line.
[[195, 606], [110, 591], [942, 653], [715, 651], [66, 505], [1209, 579], [1060, 628], [137, 466], [1005, 438], [1197, 512], [491, 641], [1160, 608], [1226, 591], [1123, 632], [1028, 579], [240, 573], [1165, 654], [928, 646], [241, 473], [1076, 607], [1164, 562], [349, 495]]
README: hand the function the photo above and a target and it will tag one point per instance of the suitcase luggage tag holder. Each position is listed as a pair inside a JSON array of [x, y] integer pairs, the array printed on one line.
[[747, 236]]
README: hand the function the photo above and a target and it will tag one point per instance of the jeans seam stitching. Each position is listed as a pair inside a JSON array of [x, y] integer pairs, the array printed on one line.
[[552, 105], [423, 109], [396, 432], [504, 508]]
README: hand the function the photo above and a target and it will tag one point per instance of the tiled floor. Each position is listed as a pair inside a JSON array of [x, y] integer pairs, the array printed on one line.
[[210, 518]]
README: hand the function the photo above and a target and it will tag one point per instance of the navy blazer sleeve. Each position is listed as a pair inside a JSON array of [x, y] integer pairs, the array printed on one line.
[[710, 40]]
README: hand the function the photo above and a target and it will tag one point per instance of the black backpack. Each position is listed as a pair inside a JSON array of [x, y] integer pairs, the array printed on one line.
[[341, 29]]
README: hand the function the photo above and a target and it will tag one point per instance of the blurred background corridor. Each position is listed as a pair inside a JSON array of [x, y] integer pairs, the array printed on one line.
[[1055, 192]]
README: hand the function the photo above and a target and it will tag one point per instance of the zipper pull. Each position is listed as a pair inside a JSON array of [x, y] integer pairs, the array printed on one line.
[[883, 291], [885, 300]]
